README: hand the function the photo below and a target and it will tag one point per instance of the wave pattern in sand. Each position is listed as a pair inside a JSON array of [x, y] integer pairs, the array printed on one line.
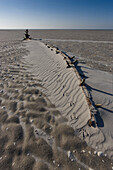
[[61, 83], [33, 134]]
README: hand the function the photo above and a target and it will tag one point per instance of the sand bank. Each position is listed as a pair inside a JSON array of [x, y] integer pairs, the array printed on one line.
[[63, 89], [34, 134], [61, 83]]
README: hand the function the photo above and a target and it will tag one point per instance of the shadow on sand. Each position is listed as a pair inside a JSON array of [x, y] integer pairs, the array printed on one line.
[[99, 120]]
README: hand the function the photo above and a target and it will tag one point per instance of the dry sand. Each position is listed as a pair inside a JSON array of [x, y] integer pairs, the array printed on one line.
[[95, 54], [61, 88], [99, 83], [34, 134]]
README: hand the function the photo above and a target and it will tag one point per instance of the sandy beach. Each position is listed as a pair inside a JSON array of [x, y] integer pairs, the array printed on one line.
[[71, 102], [45, 112]]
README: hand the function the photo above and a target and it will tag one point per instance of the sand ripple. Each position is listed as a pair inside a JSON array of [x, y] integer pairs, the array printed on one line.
[[34, 134]]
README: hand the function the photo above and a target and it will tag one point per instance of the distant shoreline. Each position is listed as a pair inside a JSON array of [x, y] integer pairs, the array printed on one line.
[[59, 29]]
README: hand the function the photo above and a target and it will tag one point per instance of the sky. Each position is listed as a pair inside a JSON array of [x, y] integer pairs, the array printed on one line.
[[56, 14]]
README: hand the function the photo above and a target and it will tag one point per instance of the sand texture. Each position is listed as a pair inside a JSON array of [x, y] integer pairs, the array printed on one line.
[[95, 62], [63, 89], [93, 47], [50, 72], [95, 54], [43, 112]]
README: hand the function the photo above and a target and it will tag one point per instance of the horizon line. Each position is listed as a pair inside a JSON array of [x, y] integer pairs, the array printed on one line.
[[56, 29]]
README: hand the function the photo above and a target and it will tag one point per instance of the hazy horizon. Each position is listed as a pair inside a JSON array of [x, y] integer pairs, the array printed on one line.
[[14, 29]]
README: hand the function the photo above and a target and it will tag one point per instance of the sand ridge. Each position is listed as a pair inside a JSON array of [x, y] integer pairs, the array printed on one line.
[[98, 83], [34, 134]]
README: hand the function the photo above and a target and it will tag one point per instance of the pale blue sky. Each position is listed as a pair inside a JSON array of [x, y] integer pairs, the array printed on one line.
[[56, 14]]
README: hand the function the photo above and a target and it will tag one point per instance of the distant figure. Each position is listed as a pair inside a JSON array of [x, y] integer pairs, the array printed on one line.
[[27, 36]]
